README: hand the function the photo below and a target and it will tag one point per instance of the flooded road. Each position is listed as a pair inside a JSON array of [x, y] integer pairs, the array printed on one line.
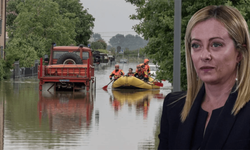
[[112, 120]]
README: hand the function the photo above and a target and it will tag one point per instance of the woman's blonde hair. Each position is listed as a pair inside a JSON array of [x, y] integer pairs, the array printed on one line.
[[238, 30]]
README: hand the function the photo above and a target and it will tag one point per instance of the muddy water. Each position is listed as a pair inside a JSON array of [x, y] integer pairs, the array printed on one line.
[[100, 120]]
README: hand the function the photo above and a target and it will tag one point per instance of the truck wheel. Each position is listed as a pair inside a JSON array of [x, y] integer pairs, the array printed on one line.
[[69, 58]]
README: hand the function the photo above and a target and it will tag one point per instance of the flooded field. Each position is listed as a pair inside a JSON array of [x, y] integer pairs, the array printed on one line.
[[97, 120]]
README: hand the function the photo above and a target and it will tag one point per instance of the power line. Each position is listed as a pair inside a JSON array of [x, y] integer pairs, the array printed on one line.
[[115, 31], [113, 36]]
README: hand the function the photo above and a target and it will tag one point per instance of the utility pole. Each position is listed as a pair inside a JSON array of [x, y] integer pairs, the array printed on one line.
[[2, 27], [177, 46]]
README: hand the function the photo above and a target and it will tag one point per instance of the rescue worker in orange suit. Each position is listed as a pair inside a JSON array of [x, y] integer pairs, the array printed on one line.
[[130, 72], [143, 66], [141, 73], [117, 73], [147, 68]]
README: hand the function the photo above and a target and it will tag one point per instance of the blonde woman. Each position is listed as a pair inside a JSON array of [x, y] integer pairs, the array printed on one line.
[[214, 113]]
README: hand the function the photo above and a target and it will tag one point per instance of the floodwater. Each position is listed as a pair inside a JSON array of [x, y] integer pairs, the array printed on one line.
[[97, 120]]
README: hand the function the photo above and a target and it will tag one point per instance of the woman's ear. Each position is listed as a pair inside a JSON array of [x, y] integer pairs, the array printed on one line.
[[239, 57]]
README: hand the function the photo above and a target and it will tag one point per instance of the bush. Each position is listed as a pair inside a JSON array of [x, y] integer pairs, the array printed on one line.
[[19, 49], [97, 45], [4, 70]]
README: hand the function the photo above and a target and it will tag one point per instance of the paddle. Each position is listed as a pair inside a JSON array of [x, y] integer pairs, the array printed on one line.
[[156, 83], [106, 86]]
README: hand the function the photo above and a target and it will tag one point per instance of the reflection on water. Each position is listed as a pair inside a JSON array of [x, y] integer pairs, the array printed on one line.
[[138, 98], [66, 111], [43, 120]]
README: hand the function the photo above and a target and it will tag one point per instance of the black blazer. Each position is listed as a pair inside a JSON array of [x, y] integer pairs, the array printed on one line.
[[230, 132]]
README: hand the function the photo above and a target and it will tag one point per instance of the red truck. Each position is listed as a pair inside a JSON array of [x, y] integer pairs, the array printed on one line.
[[69, 67]]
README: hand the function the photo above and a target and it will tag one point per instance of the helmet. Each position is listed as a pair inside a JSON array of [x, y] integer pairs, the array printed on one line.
[[146, 60], [116, 65]]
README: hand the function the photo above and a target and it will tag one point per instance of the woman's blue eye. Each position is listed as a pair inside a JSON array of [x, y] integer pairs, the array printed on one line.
[[217, 44], [195, 45]]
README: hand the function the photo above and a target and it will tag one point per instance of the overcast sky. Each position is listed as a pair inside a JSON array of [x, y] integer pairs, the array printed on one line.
[[111, 17]]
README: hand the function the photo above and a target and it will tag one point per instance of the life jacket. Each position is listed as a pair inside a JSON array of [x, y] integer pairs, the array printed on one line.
[[144, 67], [147, 68], [116, 74], [141, 73], [130, 74]]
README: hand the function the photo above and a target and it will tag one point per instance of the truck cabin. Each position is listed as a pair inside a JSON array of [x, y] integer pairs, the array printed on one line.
[[104, 58], [96, 57], [83, 53]]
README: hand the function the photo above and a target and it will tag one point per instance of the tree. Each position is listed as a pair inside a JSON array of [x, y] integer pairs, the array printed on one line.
[[157, 26], [18, 49], [33, 31], [74, 10], [97, 45], [1, 69], [129, 41], [117, 40], [104, 44], [97, 37], [11, 14], [71, 9]]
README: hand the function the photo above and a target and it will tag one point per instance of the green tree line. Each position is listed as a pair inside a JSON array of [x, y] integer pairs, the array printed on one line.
[[157, 25], [33, 25], [99, 44], [129, 41]]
